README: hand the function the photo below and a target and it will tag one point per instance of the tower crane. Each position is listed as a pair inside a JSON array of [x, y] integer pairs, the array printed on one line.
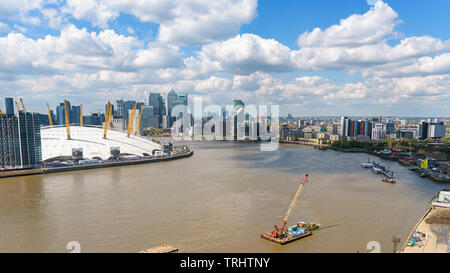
[[278, 231]]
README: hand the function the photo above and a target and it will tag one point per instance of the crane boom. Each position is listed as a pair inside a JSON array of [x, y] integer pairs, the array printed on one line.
[[278, 231], [49, 116], [294, 201]]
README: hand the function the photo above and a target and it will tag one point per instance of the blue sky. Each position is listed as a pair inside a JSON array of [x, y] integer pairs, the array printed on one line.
[[310, 57]]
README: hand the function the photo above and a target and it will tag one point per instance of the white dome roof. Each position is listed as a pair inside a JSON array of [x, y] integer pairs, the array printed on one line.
[[90, 139]]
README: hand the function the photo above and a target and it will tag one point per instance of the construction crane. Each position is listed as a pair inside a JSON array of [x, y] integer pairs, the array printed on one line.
[[139, 121], [105, 125], [67, 120], [81, 114], [131, 120], [277, 232], [23, 106], [49, 116]]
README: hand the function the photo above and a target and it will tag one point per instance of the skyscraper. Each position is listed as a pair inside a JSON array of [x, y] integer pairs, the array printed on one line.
[[344, 126], [119, 111], [238, 103], [9, 105], [60, 114], [76, 111], [20, 138], [183, 98], [171, 98], [156, 101]]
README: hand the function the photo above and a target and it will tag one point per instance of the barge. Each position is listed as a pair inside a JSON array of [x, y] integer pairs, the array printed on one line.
[[284, 240], [283, 235]]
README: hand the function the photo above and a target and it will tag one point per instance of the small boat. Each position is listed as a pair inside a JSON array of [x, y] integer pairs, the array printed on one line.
[[388, 174], [389, 180], [377, 170], [367, 165]]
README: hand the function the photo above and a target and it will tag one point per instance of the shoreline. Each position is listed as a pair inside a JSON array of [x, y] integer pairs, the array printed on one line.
[[429, 243], [363, 150], [43, 171]]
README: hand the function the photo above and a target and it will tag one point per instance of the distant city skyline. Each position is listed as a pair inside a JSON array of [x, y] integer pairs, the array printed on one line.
[[313, 58]]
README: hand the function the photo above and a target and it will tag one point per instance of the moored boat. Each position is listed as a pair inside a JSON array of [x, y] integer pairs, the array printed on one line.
[[377, 170], [389, 180], [366, 165]]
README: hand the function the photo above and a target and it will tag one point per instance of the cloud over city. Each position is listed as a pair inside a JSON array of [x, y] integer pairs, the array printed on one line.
[[82, 49]]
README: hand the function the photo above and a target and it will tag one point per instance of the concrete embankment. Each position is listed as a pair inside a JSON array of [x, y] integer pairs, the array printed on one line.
[[93, 166]]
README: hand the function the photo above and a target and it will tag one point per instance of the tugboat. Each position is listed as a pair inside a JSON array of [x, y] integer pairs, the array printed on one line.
[[309, 226]]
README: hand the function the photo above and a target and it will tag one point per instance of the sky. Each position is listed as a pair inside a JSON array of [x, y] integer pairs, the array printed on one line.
[[320, 58]]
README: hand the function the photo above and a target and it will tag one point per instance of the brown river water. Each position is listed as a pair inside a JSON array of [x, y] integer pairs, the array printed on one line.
[[219, 200]]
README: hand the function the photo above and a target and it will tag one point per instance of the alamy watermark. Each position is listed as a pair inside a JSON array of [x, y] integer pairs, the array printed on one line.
[[232, 122]]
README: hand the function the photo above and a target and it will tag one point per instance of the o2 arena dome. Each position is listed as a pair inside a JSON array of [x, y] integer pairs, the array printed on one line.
[[90, 142]]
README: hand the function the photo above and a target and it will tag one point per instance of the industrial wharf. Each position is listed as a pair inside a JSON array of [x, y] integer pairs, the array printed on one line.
[[102, 165]]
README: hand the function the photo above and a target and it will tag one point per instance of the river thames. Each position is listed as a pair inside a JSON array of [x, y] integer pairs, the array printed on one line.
[[219, 200]]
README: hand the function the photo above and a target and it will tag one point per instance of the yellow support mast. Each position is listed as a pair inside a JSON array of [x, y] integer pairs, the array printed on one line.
[[139, 121], [105, 125], [23, 106], [1, 113], [131, 120], [81, 115], [67, 120], [17, 106], [49, 116], [109, 117]]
